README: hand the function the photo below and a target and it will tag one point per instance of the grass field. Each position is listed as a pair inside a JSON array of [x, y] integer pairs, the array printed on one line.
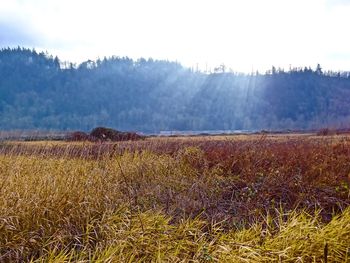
[[256, 198]]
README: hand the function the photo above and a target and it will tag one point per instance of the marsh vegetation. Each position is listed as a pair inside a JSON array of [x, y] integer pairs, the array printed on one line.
[[200, 199]]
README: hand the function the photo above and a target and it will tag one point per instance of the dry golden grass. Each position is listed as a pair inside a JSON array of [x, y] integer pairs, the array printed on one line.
[[258, 200]]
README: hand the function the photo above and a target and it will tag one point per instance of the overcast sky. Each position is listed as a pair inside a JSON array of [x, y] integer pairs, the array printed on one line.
[[243, 34]]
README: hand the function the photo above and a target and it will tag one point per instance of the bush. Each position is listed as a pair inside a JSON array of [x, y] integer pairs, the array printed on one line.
[[325, 132], [108, 134], [78, 136]]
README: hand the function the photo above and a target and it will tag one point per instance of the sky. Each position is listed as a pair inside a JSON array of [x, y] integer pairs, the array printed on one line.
[[245, 35]]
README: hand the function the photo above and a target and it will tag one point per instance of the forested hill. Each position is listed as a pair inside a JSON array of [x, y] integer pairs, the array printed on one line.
[[37, 91]]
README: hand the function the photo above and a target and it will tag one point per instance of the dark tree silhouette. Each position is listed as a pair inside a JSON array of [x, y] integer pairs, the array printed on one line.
[[38, 91]]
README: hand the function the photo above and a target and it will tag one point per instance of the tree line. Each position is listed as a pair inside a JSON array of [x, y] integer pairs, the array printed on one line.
[[38, 91]]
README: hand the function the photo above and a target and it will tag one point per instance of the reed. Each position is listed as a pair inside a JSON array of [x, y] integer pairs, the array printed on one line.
[[194, 200]]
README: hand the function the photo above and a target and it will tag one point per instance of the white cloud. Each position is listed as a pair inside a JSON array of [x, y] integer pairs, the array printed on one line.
[[243, 34]]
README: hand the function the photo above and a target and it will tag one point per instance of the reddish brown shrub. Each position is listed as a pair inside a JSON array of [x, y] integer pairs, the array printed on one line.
[[108, 134], [78, 136]]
